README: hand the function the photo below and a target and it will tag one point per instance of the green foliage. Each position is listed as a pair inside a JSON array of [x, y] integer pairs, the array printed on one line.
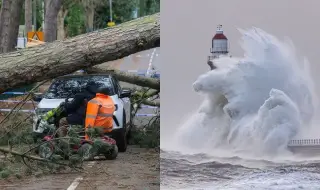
[[39, 16], [147, 7], [148, 137], [122, 11], [16, 132], [5, 173], [75, 20]]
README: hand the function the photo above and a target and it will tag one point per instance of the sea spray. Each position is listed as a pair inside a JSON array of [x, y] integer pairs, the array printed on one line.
[[254, 104]]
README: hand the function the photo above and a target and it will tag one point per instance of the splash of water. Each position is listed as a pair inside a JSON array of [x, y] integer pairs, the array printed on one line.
[[254, 104]]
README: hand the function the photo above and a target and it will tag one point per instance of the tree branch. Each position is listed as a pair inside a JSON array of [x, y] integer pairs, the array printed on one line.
[[129, 78]]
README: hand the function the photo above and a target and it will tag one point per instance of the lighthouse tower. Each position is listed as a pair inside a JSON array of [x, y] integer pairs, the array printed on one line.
[[219, 46]]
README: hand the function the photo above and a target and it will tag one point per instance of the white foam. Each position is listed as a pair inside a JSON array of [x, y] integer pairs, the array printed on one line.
[[255, 104]]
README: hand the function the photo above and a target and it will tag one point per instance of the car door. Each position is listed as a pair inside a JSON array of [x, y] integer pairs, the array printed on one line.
[[126, 101]]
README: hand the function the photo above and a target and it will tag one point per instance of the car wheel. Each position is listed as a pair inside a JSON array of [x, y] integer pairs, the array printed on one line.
[[121, 137], [129, 133], [111, 155]]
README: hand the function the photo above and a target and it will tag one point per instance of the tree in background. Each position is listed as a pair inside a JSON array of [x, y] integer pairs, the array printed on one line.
[[16, 9], [90, 7], [75, 21], [147, 7], [65, 18], [122, 11], [65, 8], [28, 15], [9, 24], [4, 24], [52, 8]]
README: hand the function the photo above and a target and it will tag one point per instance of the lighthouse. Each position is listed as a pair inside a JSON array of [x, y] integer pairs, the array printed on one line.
[[219, 46]]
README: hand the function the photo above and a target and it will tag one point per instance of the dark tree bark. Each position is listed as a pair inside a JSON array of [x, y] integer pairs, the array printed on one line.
[[16, 9], [10, 24], [28, 15], [5, 25], [58, 58], [52, 8]]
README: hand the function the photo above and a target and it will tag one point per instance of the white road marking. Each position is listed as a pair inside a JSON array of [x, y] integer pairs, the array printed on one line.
[[138, 55], [90, 164], [75, 183], [150, 68], [157, 55]]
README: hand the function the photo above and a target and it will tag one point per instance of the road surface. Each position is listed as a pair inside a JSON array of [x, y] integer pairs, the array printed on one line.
[[136, 169]]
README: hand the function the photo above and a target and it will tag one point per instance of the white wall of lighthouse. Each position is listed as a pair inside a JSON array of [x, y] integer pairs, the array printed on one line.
[[220, 46]]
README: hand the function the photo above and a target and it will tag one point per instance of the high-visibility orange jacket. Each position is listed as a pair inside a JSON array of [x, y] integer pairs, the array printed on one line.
[[100, 112]]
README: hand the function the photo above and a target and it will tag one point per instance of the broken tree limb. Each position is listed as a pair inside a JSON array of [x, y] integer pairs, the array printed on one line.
[[147, 95], [128, 77], [151, 103], [58, 58]]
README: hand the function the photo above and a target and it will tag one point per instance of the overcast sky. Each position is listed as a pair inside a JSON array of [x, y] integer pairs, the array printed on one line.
[[187, 27]]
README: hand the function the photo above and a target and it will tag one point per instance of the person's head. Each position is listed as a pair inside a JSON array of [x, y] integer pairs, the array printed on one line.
[[104, 90], [92, 86]]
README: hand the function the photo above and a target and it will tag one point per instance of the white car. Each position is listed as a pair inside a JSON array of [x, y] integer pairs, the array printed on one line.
[[66, 87]]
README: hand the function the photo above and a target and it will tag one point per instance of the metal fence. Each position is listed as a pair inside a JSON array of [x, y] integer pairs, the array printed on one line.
[[304, 142]]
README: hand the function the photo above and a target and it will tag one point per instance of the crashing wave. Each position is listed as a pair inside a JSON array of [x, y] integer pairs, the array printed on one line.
[[254, 104]]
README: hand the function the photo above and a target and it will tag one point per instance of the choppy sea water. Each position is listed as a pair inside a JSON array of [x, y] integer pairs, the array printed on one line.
[[200, 171]]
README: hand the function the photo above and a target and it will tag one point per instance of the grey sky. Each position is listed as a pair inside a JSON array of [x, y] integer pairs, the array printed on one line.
[[187, 27]]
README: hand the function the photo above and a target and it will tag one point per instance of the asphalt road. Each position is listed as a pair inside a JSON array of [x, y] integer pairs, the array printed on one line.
[[137, 62], [136, 169]]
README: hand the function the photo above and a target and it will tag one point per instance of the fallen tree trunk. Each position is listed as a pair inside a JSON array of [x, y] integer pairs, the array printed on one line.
[[58, 58], [128, 77]]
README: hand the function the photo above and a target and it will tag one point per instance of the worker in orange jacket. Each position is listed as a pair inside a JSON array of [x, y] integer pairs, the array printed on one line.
[[100, 112]]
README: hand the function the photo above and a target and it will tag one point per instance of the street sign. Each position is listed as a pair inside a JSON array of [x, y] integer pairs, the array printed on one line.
[[38, 35], [111, 24]]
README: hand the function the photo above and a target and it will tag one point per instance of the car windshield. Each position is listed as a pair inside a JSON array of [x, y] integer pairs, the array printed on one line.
[[67, 87]]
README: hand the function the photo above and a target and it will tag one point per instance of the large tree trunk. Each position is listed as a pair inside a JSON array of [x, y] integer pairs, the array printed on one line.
[[89, 16], [11, 11], [28, 16], [60, 23], [64, 57], [52, 8], [16, 9], [5, 25]]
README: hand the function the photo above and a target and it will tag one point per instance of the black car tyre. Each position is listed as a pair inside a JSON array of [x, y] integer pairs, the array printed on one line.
[[121, 137]]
